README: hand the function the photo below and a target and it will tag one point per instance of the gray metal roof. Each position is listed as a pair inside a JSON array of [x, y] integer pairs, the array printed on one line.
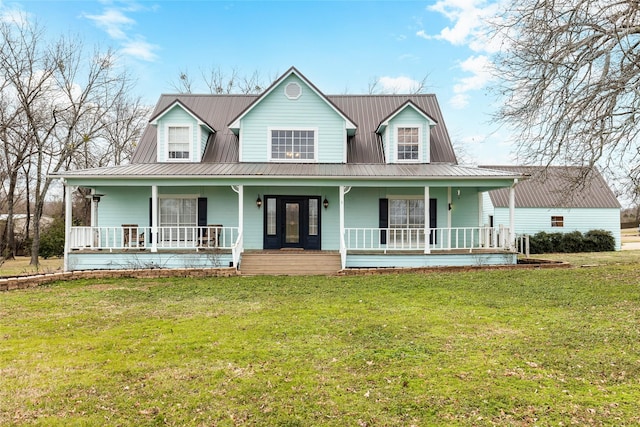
[[299, 170], [556, 186], [368, 111]]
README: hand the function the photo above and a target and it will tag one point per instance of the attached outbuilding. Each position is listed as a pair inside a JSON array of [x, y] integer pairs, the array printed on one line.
[[556, 199]]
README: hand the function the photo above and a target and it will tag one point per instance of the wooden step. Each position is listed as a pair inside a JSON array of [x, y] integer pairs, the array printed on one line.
[[289, 263]]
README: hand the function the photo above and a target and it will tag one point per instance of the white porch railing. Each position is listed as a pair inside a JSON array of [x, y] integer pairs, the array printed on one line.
[[403, 239], [134, 237]]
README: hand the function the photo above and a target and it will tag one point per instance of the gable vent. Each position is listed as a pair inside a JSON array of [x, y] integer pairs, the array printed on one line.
[[293, 90]]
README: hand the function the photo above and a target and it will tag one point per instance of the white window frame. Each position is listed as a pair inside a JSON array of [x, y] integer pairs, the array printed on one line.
[[270, 131], [181, 237], [166, 140], [397, 143], [417, 232]]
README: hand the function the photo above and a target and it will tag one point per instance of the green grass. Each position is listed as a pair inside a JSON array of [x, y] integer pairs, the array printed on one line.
[[522, 347], [20, 266]]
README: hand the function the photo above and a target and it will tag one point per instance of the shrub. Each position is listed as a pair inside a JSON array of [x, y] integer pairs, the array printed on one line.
[[52, 239], [571, 242], [599, 241], [591, 241]]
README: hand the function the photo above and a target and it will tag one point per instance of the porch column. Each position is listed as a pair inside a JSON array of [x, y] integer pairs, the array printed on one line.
[[94, 208], [68, 211], [241, 214], [154, 218], [449, 209], [512, 213], [427, 221], [341, 214]]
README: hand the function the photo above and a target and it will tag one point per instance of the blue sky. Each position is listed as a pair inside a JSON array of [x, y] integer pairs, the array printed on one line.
[[340, 46]]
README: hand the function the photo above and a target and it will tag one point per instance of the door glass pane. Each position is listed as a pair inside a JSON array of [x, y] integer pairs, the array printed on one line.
[[271, 216], [313, 217], [292, 216]]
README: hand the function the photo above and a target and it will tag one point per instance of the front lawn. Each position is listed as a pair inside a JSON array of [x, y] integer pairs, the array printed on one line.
[[519, 347]]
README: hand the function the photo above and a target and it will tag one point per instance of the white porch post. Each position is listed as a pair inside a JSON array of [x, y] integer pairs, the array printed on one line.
[[154, 218], [341, 214], [427, 221], [449, 208], [68, 211], [241, 214], [512, 213]]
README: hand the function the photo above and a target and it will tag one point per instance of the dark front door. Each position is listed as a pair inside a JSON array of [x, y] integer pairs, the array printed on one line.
[[292, 222]]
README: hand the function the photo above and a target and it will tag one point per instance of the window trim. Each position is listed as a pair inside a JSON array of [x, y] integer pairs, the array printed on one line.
[[557, 221], [167, 126], [270, 131], [397, 144]]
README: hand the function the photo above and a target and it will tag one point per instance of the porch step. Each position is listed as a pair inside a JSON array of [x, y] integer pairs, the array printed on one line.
[[289, 263]]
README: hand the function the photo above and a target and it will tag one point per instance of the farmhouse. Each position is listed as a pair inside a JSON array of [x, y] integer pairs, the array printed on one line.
[[290, 179], [556, 199]]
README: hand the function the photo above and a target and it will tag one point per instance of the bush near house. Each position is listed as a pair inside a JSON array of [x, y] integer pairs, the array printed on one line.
[[52, 239], [573, 242]]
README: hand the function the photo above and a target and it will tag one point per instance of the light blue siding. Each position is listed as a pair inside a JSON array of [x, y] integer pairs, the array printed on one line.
[[407, 118], [533, 220], [86, 260], [430, 260], [309, 111], [178, 117], [487, 208], [130, 205]]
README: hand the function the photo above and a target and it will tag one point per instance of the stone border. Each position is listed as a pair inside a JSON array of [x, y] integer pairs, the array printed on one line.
[[25, 282]]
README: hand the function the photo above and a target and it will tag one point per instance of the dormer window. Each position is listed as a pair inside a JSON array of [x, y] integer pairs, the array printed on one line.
[[409, 144], [293, 145], [179, 143]]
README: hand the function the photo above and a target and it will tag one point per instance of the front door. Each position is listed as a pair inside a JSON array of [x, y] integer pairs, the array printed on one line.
[[292, 222]]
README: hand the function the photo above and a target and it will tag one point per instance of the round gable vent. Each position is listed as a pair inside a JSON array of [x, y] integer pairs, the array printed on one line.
[[293, 90]]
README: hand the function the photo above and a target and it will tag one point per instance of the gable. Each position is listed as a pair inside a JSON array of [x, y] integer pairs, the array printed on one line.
[[293, 106]]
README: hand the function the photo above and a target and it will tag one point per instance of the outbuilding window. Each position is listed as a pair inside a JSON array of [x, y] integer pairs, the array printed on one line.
[[557, 221]]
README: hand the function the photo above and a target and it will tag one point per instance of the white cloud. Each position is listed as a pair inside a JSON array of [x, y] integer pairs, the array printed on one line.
[[140, 49], [480, 68], [13, 16], [400, 84], [468, 23], [459, 101], [114, 22]]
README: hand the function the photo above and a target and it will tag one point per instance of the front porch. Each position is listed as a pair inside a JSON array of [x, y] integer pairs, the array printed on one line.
[[133, 246]]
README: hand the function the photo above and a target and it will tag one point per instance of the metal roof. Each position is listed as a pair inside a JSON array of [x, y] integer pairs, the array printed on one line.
[[368, 111], [298, 170], [556, 186]]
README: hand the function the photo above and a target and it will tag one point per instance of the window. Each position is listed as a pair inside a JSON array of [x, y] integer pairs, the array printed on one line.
[[557, 221], [178, 139], [313, 217], [178, 219], [406, 214], [408, 143], [293, 145]]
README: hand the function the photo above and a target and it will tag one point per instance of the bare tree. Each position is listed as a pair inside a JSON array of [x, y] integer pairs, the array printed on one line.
[[376, 86], [65, 99], [219, 82], [570, 82]]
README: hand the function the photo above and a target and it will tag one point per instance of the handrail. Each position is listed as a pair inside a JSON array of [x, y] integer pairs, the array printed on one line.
[[452, 238], [134, 237]]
